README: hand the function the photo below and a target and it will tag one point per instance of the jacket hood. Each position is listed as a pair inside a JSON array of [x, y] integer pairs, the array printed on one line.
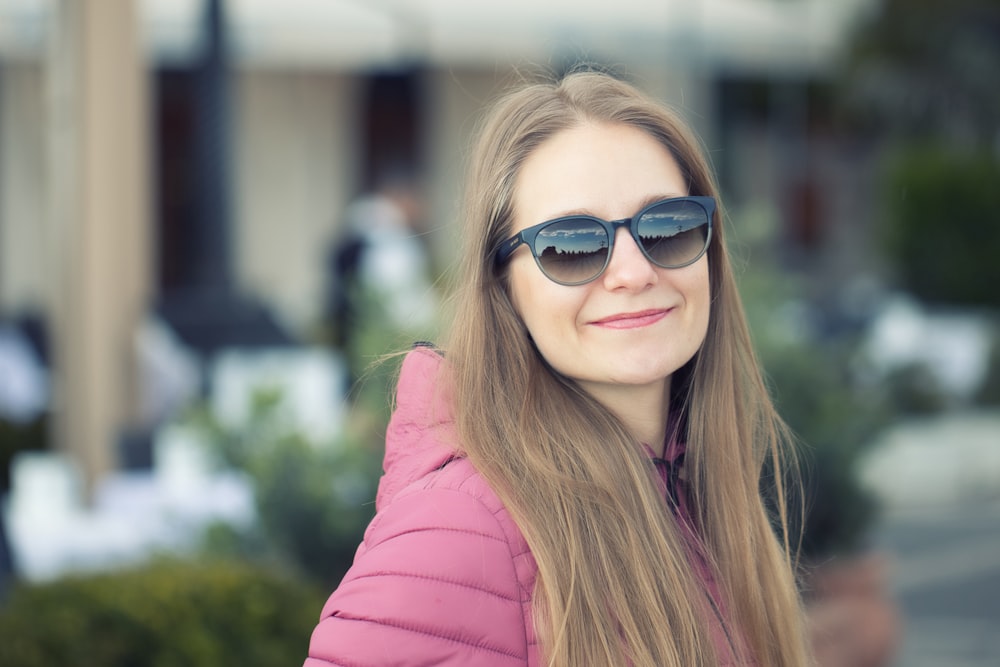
[[421, 434]]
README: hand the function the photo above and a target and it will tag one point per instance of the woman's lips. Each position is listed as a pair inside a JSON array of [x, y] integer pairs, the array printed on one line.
[[635, 320]]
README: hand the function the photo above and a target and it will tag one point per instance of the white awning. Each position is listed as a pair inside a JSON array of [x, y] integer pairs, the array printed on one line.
[[349, 34]]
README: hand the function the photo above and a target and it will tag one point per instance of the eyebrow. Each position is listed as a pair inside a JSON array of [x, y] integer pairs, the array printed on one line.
[[642, 204]]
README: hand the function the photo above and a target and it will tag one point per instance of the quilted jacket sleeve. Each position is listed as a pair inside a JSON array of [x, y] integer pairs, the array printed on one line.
[[434, 583]]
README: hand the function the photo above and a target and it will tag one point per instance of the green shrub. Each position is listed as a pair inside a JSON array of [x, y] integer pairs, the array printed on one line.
[[836, 418], [166, 614], [943, 224], [812, 375], [313, 499]]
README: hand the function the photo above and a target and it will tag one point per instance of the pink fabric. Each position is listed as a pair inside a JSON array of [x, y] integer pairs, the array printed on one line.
[[443, 576]]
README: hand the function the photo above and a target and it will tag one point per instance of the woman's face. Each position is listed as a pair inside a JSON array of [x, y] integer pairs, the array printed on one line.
[[637, 323]]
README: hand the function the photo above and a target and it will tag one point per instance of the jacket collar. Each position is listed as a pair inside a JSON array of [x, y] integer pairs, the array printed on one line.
[[421, 434]]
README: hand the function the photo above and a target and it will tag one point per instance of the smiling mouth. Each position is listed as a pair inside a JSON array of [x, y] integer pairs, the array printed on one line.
[[632, 320]]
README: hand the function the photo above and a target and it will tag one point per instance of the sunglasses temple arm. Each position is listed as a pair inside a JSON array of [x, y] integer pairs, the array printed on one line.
[[506, 249]]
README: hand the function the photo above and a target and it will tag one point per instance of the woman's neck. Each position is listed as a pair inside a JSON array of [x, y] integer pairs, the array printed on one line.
[[642, 409]]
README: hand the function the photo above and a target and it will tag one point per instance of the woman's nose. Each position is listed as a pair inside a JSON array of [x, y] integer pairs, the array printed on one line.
[[628, 268]]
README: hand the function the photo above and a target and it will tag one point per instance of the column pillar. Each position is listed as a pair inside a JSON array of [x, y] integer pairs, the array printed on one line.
[[99, 223]]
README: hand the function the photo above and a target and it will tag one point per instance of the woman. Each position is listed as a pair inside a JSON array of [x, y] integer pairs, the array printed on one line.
[[576, 480]]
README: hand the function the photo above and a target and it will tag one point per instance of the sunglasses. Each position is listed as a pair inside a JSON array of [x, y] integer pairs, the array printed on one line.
[[575, 249]]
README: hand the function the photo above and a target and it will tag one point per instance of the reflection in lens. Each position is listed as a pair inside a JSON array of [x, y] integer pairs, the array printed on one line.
[[572, 250], [673, 234]]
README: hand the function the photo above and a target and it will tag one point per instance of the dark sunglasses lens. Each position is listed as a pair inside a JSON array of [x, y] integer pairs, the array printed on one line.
[[570, 251], [674, 234]]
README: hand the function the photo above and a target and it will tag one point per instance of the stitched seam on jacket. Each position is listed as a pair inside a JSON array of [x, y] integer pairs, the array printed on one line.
[[446, 479], [443, 529], [436, 635], [441, 580]]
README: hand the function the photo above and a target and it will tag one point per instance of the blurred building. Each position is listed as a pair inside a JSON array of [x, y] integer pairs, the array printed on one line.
[[103, 155]]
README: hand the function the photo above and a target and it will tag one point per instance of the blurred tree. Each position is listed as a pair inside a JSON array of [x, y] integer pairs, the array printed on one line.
[[922, 68], [921, 81], [942, 223]]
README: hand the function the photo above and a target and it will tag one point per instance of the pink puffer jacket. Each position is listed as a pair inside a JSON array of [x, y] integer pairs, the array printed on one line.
[[443, 576]]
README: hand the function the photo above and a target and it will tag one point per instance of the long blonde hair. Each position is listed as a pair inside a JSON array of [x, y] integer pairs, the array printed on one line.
[[615, 584]]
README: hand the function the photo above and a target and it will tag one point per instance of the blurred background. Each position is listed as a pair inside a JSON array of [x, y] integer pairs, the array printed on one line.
[[216, 215]]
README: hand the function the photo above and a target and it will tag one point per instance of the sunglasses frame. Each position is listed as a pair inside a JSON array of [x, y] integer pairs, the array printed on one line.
[[503, 252]]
